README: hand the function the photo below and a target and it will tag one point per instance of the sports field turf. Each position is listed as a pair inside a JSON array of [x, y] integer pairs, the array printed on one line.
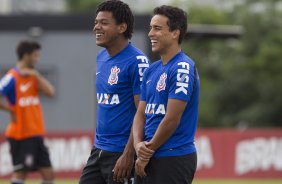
[[263, 181]]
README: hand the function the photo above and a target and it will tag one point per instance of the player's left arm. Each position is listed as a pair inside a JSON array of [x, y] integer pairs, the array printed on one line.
[[136, 74], [124, 164], [129, 148], [45, 86]]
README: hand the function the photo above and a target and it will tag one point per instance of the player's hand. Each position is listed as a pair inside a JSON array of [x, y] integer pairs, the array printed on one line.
[[123, 167], [143, 152], [140, 167]]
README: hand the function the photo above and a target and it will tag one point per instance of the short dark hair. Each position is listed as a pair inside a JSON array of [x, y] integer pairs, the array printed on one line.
[[177, 19], [26, 47], [121, 13]]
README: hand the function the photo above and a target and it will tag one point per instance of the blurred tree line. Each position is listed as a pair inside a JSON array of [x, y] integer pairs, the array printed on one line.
[[241, 79], [82, 5]]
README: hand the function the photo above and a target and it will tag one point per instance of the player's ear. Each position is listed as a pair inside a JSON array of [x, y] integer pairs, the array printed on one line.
[[122, 28], [25, 57], [176, 34]]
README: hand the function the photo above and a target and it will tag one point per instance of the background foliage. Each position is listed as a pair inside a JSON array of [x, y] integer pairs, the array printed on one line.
[[240, 79]]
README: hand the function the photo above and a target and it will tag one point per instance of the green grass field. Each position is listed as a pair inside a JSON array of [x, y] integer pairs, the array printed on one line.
[[263, 181]]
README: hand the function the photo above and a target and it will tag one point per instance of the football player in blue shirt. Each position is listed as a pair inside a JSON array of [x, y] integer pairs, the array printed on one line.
[[119, 70], [166, 120]]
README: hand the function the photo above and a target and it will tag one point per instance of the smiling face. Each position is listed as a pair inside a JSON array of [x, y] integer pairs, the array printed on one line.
[[106, 30], [161, 37]]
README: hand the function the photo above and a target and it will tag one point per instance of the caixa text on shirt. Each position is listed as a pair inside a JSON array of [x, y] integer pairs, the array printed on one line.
[[104, 98], [28, 101], [155, 109]]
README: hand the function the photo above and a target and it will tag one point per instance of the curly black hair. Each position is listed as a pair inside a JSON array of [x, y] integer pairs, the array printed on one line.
[[26, 47], [177, 19], [121, 13]]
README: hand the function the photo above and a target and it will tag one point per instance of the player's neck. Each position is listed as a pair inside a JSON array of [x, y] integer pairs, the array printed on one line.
[[117, 46], [21, 64], [170, 53]]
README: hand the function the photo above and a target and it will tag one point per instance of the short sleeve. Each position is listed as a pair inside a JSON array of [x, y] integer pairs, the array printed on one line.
[[181, 81], [136, 71], [7, 84], [143, 86]]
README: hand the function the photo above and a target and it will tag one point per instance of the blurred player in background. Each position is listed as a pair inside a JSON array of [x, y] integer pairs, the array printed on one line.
[[119, 72], [21, 86], [166, 120]]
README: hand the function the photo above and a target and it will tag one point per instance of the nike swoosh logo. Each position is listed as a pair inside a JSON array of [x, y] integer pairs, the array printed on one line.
[[97, 73], [25, 87], [148, 81]]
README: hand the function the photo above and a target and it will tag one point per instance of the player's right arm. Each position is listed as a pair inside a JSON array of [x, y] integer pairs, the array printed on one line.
[[6, 87], [3, 106], [138, 124], [143, 153], [138, 133]]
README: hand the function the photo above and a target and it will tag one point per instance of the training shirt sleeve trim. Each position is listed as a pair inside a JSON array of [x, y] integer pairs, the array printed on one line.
[[7, 84]]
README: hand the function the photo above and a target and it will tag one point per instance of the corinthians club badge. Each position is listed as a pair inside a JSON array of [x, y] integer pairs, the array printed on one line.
[[113, 78], [161, 83]]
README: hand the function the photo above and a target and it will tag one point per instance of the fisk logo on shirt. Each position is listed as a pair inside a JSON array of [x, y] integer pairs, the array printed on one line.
[[142, 66], [155, 109], [113, 78], [182, 78], [161, 83]]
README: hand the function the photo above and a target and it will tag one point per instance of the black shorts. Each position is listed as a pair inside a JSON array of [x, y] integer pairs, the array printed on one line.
[[29, 154], [170, 170], [98, 169]]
